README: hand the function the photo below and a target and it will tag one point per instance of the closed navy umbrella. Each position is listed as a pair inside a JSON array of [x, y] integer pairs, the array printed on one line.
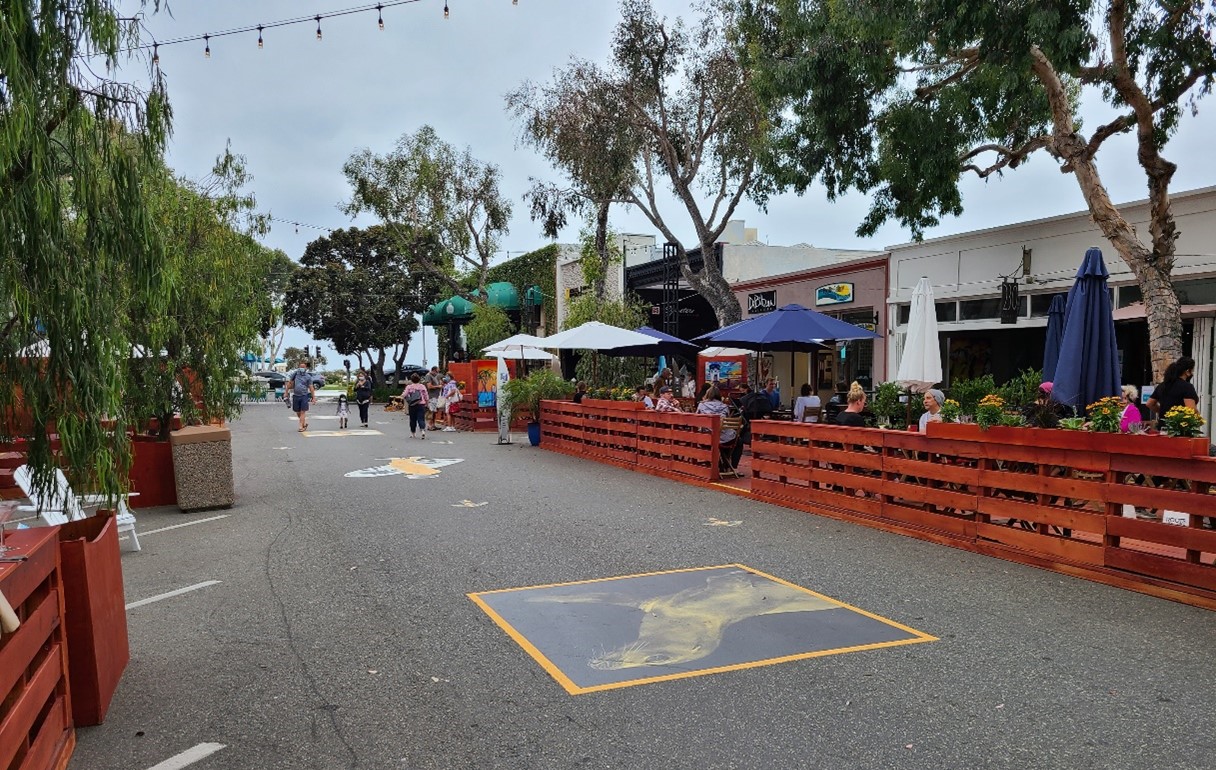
[[1055, 332], [1088, 367]]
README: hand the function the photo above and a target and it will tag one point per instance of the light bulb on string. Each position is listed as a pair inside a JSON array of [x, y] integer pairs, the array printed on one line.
[[380, 15], [446, 13], [155, 53], [514, 2], [207, 49], [318, 18], [259, 36]]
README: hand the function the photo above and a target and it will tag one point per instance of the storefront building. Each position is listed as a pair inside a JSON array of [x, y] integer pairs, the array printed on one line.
[[1041, 258], [855, 292]]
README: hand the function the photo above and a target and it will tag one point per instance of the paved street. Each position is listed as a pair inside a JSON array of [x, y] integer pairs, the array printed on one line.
[[341, 634]]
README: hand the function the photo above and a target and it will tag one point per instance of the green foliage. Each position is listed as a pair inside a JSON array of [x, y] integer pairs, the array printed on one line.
[[886, 405], [439, 204], [968, 393], [541, 385], [951, 411], [489, 325], [1071, 423], [604, 370], [1012, 420], [1106, 414], [293, 355], [1022, 390], [536, 268], [74, 228], [990, 411], [184, 359], [1182, 421]]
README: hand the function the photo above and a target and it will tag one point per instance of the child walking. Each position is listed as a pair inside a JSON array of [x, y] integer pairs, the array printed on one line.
[[343, 411]]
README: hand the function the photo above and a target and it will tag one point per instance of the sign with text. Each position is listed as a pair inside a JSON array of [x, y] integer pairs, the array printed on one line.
[[762, 302], [834, 294]]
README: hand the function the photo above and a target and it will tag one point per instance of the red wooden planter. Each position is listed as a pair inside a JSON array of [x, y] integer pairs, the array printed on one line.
[[607, 403], [95, 615], [151, 473], [1114, 443]]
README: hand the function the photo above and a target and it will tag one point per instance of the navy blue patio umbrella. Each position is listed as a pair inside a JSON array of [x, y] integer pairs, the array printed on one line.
[[1088, 367], [788, 328], [1055, 332]]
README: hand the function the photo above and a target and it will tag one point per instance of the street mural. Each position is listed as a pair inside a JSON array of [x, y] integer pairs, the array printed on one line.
[[339, 433], [616, 632], [410, 467]]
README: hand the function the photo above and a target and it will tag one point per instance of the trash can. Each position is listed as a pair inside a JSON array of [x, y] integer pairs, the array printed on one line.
[[202, 467]]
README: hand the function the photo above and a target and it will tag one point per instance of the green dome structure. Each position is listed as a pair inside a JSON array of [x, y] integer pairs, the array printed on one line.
[[457, 310]]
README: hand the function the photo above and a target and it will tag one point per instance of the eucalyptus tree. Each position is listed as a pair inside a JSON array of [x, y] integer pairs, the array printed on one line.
[[681, 98], [72, 217], [901, 98], [571, 122], [427, 193], [274, 326]]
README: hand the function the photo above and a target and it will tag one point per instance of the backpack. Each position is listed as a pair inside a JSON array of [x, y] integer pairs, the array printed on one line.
[[413, 396]]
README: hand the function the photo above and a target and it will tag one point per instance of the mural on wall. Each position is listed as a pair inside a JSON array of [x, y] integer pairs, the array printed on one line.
[[487, 383], [724, 372], [834, 294], [630, 630]]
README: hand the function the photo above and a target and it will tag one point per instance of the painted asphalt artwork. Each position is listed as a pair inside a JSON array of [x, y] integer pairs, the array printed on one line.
[[616, 632], [410, 467]]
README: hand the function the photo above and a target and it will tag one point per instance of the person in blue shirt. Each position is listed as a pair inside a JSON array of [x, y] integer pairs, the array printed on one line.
[[774, 393]]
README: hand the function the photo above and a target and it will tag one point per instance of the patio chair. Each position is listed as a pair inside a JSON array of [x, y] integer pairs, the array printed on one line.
[[63, 505], [727, 448]]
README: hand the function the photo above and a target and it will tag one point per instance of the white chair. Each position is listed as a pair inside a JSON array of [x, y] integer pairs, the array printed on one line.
[[63, 505]]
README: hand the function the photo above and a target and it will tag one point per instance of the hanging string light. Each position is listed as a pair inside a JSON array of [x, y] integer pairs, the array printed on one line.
[[155, 54], [260, 28]]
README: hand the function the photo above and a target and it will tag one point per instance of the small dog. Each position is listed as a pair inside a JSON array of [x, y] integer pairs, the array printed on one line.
[[343, 412]]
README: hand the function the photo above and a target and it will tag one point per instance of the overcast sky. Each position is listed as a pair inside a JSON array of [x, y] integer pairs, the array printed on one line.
[[298, 108]]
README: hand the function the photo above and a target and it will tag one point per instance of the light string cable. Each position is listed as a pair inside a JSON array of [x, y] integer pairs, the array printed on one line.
[[317, 18]]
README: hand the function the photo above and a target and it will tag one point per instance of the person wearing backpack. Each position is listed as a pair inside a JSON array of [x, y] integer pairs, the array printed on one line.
[[303, 393], [415, 399]]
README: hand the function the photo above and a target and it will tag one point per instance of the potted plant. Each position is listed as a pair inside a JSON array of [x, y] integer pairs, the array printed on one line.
[[528, 392]]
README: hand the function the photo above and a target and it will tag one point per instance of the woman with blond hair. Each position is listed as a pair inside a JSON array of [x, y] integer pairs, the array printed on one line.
[[852, 415], [1131, 411]]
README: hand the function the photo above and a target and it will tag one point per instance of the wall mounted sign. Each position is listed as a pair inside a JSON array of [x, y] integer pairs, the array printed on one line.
[[834, 294], [762, 302]]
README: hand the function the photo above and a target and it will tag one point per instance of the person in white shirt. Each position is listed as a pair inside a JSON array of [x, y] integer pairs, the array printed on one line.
[[934, 399], [643, 394], [806, 401]]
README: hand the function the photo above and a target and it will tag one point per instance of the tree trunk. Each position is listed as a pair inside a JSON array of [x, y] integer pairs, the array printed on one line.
[[377, 364], [601, 248], [710, 284], [399, 352]]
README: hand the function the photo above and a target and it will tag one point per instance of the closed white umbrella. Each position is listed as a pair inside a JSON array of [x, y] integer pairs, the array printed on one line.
[[920, 367]]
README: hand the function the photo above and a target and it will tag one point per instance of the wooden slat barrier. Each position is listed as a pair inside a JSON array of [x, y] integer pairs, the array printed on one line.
[[35, 713], [665, 444], [1041, 503]]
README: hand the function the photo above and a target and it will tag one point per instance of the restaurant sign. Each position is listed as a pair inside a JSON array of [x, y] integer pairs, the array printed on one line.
[[834, 294], [762, 302]]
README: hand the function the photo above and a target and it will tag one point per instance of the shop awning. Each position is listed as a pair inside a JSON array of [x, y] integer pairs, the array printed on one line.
[[1135, 312]]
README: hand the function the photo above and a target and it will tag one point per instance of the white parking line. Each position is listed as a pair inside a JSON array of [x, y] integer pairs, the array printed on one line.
[[189, 757], [179, 526], [171, 594]]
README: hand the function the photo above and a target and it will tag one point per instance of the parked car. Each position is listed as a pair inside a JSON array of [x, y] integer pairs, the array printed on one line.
[[406, 370], [273, 380]]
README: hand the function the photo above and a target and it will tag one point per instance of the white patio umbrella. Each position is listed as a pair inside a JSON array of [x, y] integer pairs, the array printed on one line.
[[920, 367], [594, 335], [518, 353], [516, 341]]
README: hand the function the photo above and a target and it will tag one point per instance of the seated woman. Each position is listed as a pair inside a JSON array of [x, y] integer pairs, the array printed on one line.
[[713, 404], [852, 415], [934, 401], [580, 392], [805, 401], [642, 394], [1131, 412]]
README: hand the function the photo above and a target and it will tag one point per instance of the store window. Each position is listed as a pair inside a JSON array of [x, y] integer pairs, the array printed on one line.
[[1201, 292], [903, 312], [1040, 304], [1129, 295], [946, 311], [983, 309]]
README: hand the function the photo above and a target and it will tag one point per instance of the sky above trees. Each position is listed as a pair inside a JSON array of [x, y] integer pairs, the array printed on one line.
[[298, 107]]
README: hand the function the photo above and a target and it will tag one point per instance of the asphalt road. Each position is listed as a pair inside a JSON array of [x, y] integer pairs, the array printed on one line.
[[341, 635]]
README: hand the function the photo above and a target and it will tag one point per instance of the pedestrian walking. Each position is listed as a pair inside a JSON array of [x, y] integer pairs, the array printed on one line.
[[434, 387], [415, 398], [448, 396], [343, 412], [303, 393], [363, 397]]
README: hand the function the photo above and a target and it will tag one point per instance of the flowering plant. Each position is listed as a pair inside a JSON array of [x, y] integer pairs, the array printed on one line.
[[1105, 414], [1072, 423], [1182, 421], [989, 411], [951, 410]]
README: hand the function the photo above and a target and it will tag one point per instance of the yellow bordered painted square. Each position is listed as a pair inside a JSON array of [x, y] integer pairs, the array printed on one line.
[[616, 632]]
